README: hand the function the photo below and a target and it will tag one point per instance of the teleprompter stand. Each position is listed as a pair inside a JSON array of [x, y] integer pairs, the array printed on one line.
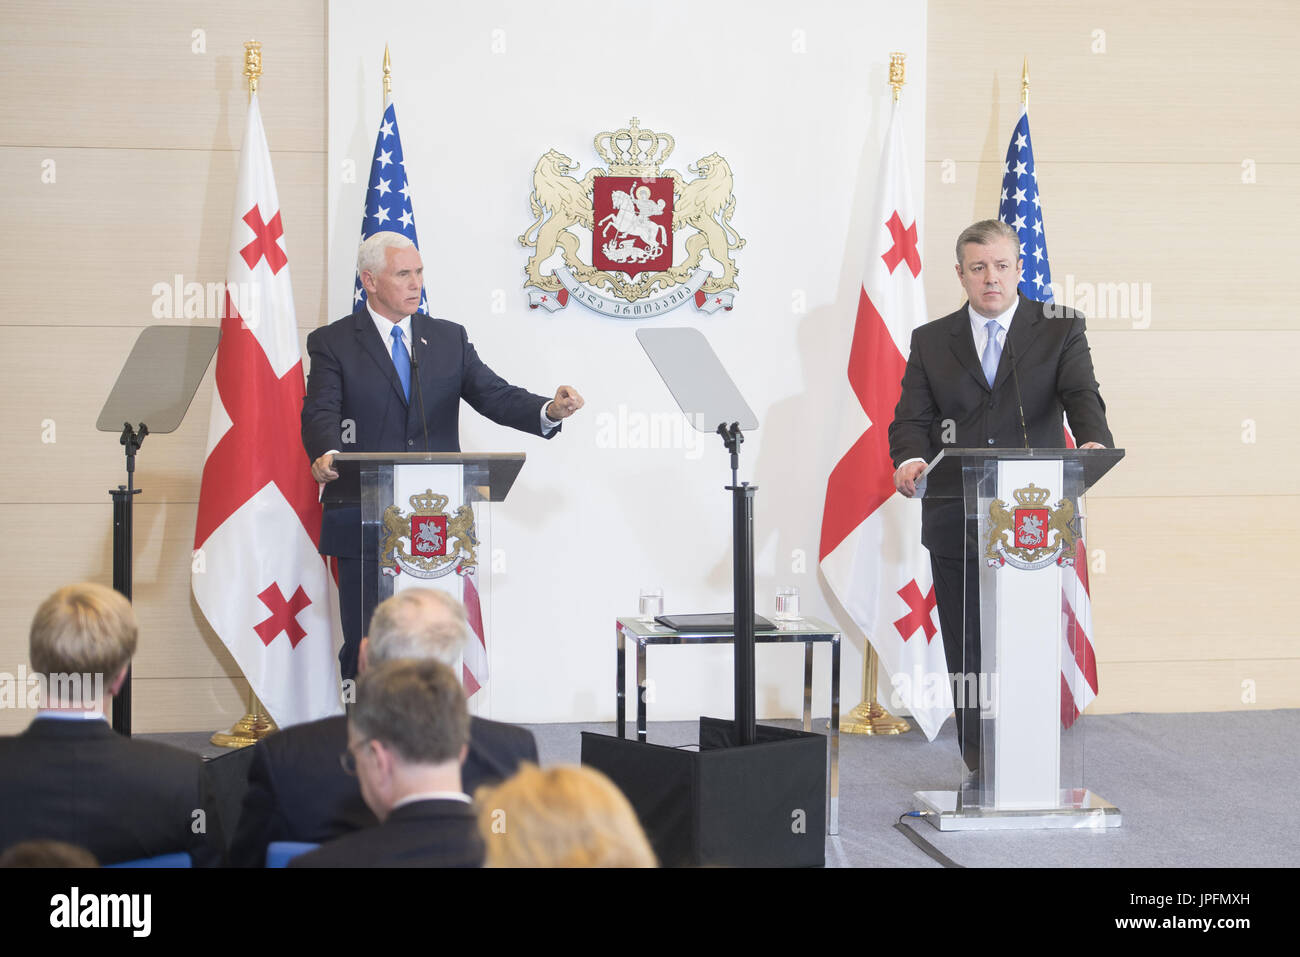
[[157, 384], [752, 795]]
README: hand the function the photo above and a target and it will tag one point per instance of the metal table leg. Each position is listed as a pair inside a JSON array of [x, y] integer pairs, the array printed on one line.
[[833, 821], [620, 674], [640, 691], [807, 684]]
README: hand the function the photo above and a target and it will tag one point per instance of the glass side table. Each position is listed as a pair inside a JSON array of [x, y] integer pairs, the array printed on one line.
[[807, 631]]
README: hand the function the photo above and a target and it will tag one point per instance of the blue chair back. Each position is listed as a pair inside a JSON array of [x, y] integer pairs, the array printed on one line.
[[179, 859], [280, 853]]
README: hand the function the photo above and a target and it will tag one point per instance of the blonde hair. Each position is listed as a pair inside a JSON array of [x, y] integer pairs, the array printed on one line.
[[83, 629], [566, 816]]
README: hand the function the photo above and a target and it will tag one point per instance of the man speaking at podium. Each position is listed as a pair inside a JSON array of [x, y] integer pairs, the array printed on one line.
[[967, 379], [390, 379]]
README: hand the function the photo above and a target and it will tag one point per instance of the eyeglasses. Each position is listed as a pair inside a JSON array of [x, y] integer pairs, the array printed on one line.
[[348, 758]]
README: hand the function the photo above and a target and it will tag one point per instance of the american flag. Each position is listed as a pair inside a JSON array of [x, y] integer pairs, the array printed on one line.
[[388, 197], [1022, 209], [389, 209]]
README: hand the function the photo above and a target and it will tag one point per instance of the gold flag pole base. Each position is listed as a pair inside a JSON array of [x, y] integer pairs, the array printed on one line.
[[869, 717], [255, 725]]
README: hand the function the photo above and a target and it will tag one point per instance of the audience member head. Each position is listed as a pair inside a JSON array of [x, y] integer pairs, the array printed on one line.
[[408, 732], [46, 854], [566, 816], [416, 623], [85, 630]]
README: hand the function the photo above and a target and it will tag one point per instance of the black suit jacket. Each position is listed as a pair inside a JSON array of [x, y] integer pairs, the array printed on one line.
[[355, 403], [436, 833], [122, 799], [944, 383], [298, 791]]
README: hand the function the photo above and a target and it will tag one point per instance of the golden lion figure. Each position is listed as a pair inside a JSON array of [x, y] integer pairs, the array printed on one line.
[[568, 201], [707, 205]]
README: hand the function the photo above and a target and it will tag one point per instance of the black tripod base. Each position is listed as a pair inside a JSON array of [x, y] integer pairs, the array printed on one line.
[[760, 805]]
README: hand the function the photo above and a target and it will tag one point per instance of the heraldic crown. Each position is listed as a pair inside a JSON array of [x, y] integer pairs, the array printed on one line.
[[429, 501], [1032, 497], [632, 151]]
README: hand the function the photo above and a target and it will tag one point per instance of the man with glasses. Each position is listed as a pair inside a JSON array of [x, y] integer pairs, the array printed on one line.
[[407, 736]]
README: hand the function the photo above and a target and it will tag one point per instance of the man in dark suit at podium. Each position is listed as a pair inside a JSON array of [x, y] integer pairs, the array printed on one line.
[[968, 377], [70, 777], [297, 791], [390, 379], [407, 736]]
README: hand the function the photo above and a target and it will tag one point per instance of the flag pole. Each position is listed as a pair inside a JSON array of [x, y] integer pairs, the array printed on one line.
[[388, 76], [256, 724], [1024, 85], [869, 717]]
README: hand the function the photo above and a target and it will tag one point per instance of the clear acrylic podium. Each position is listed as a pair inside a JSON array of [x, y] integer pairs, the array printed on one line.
[[424, 522], [1025, 527]]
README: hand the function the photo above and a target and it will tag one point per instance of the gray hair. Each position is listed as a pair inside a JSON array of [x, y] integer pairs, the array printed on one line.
[[417, 708], [984, 232], [371, 256], [420, 623]]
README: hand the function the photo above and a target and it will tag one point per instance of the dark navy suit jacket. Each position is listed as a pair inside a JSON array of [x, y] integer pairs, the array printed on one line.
[[355, 403], [120, 798], [947, 403], [433, 833], [298, 791]]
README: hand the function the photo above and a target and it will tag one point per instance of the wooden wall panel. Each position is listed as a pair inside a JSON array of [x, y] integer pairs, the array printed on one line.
[[59, 378], [1194, 81], [1214, 685], [115, 223], [1202, 247], [82, 73]]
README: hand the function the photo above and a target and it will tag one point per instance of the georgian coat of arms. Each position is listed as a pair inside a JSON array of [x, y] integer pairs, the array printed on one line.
[[1022, 536], [440, 543], [632, 237]]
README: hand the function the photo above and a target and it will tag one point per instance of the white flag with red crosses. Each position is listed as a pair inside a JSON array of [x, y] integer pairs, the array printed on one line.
[[871, 552], [256, 575]]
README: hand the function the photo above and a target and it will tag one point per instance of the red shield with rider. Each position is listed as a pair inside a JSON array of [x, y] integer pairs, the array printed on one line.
[[633, 219], [428, 535], [1031, 527]]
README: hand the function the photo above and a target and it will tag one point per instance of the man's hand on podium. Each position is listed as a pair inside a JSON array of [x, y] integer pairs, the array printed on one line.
[[1092, 445], [566, 402], [322, 470], [905, 477]]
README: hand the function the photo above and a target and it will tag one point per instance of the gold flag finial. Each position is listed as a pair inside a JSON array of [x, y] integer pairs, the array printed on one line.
[[896, 71], [388, 75], [1024, 85], [252, 66]]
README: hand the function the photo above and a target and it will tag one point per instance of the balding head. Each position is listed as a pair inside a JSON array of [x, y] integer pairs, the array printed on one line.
[[417, 623]]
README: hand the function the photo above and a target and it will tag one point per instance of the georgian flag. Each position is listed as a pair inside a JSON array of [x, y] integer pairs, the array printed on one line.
[[871, 552], [256, 575]]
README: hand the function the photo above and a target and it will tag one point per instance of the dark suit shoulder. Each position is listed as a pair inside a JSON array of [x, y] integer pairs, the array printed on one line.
[[434, 833], [496, 750], [328, 731]]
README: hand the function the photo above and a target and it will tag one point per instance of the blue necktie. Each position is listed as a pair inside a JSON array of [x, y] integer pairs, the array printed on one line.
[[992, 353], [402, 360]]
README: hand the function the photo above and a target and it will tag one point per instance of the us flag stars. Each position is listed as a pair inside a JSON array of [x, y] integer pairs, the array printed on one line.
[[1021, 208], [384, 211]]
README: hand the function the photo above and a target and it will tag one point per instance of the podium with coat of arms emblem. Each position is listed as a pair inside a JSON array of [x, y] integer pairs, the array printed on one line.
[[1028, 672], [419, 529]]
